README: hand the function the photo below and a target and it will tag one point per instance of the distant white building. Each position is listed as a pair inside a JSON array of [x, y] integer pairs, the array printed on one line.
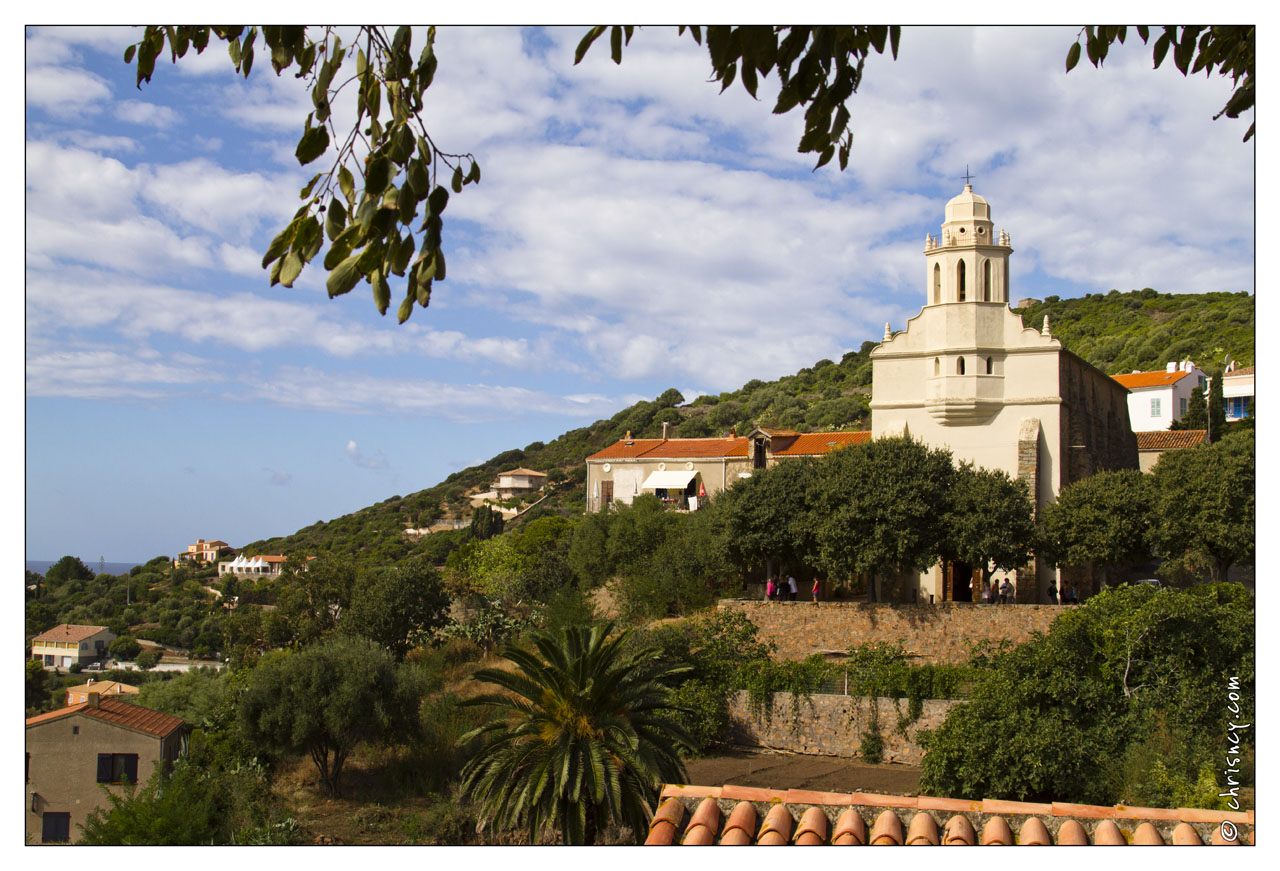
[[518, 481], [264, 566], [1157, 399], [1237, 392]]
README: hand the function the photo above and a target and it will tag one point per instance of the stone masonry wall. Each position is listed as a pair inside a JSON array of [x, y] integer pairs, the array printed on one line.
[[830, 725], [937, 633]]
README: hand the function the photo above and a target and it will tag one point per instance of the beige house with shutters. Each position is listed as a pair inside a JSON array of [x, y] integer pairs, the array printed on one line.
[[69, 644]]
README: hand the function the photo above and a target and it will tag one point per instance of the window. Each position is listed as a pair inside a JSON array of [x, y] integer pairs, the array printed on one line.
[[117, 767], [960, 281], [55, 827], [937, 367], [606, 492], [959, 365], [937, 284], [1155, 407], [986, 281], [1182, 407], [991, 368]]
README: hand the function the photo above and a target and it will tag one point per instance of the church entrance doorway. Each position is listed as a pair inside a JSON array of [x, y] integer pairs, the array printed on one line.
[[959, 577]]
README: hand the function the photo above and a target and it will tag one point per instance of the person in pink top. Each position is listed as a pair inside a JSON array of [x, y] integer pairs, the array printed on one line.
[[815, 590], [768, 591]]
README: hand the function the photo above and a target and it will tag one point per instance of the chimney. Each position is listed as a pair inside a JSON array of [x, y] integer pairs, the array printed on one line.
[[733, 432], [664, 430], [628, 435], [1171, 367], [93, 699]]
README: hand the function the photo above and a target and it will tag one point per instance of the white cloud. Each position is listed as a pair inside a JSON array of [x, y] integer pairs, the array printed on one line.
[[65, 91], [355, 393], [102, 373], [146, 114]]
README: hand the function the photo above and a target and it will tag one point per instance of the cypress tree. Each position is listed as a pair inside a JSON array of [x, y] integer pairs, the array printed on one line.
[[1217, 411]]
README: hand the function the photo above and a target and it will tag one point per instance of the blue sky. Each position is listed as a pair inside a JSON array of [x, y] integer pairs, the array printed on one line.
[[634, 230]]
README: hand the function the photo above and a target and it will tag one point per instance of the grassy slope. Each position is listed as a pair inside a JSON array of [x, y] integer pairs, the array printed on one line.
[[1116, 332]]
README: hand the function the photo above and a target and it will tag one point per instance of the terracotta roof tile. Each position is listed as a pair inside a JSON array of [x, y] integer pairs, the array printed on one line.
[[813, 828], [104, 687], [999, 806], [704, 825], [1034, 834], [741, 827], [1247, 370], [119, 713], [1184, 835], [816, 443], [1139, 380], [887, 831], [1108, 834], [923, 830], [1071, 834], [999, 819], [850, 830], [752, 793], [672, 449], [525, 472], [69, 632], [1147, 835], [959, 831], [1170, 440], [665, 823], [997, 832]]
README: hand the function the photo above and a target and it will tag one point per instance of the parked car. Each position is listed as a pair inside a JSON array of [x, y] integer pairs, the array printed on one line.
[[1155, 582]]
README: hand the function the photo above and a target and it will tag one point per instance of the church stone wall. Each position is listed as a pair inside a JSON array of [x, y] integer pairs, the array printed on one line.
[[1095, 433], [939, 633]]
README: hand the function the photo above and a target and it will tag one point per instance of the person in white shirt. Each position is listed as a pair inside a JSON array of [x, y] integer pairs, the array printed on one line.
[[791, 582]]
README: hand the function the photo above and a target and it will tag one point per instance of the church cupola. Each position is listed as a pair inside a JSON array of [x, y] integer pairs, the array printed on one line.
[[967, 262]]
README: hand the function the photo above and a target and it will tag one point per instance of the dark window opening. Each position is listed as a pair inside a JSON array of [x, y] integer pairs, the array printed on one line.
[[960, 365], [55, 827], [960, 281], [758, 460], [117, 767], [990, 367]]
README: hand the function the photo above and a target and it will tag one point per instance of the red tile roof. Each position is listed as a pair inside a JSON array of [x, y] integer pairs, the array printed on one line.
[[670, 449], [116, 712], [525, 472], [1138, 380], [733, 815], [815, 443], [69, 632], [1247, 370], [1171, 440]]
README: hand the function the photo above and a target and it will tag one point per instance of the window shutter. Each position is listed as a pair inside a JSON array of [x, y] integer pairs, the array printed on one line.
[[131, 767], [104, 768]]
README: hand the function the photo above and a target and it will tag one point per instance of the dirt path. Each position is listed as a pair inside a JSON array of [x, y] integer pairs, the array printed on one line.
[[788, 771]]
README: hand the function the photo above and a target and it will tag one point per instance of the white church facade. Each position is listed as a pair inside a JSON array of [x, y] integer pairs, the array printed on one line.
[[967, 375]]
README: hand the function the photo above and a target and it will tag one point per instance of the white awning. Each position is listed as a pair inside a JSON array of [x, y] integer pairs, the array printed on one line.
[[669, 480]]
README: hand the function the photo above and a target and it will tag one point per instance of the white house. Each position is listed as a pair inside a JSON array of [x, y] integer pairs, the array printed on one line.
[[1237, 391], [1157, 399], [518, 481], [68, 644], [265, 566]]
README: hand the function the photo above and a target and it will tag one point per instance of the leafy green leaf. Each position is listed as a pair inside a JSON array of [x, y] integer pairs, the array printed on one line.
[[457, 180], [280, 243], [314, 142], [381, 292], [344, 277], [335, 219], [290, 267], [347, 183], [585, 43], [378, 175], [1073, 56]]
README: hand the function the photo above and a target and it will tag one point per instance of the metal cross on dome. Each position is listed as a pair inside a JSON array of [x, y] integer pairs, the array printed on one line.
[[968, 179]]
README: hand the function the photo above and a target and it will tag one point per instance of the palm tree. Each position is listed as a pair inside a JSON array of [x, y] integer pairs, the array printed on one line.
[[587, 738]]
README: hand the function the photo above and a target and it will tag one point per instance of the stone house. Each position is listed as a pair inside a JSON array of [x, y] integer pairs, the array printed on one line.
[[73, 751]]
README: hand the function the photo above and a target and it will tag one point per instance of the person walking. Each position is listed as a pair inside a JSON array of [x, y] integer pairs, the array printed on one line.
[[1006, 592], [815, 591], [791, 583], [1053, 593], [769, 591]]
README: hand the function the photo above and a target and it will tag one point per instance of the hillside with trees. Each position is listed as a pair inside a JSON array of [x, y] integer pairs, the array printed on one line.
[[1117, 332]]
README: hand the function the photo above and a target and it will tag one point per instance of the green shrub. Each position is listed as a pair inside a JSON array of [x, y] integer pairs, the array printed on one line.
[[148, 659]]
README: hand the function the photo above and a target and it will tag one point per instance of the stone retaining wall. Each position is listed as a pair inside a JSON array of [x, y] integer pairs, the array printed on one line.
[[830, 725], [939, 633]]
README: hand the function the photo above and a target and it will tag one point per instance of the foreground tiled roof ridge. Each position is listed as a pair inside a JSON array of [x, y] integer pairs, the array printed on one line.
[[1138, 380], [1165, 440], [112, 710], [69, 632], [741, 815]]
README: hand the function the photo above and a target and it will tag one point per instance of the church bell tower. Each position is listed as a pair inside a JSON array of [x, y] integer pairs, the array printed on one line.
[[967, 263]]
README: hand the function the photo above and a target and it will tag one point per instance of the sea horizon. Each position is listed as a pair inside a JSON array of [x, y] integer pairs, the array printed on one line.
[[41, 567]]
